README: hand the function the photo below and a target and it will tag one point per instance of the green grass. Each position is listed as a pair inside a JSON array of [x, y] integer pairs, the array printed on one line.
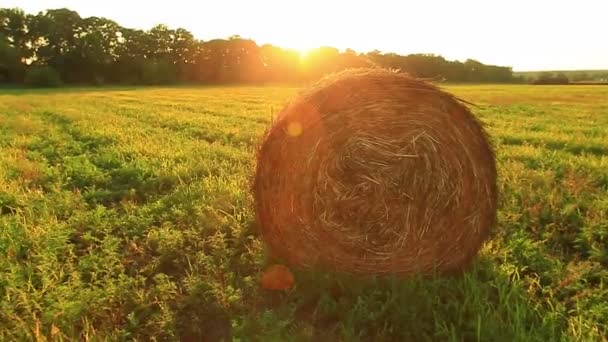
[[125, 215]]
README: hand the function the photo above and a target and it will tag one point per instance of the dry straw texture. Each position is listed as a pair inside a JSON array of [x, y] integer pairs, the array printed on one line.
[[371, 171]]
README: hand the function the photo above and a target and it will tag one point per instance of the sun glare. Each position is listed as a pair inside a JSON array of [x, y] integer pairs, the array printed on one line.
[[304, 53]]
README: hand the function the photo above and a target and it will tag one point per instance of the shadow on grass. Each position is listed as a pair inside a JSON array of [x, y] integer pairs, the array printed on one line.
[[483, 304], [64, 90], [89, 88]]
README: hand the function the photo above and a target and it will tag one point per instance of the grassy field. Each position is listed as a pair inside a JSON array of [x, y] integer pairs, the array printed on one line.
[[125, 214]]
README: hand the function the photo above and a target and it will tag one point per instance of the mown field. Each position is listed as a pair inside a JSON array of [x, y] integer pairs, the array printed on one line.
[[125, 214]]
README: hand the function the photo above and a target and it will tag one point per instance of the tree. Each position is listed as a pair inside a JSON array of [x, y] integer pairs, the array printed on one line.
[[245, 61], [280, 64], [551, 78], [184, 48], [42, 76], [132, 50], [211, 61], [98, 50], [97, 43], [320, 61], [11, 68], [350, 59], [56, 35], [14, 28], [580, 76]]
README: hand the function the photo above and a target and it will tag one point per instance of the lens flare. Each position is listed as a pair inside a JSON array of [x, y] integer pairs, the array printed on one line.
[[294, 129]]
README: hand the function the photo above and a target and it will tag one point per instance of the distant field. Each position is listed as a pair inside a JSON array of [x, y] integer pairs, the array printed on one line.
[[590, 72], [585, 74], [125, 214]]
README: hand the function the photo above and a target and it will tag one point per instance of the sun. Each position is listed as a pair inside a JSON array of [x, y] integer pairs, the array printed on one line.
[[301, 45], [304, 53], [306, 49]]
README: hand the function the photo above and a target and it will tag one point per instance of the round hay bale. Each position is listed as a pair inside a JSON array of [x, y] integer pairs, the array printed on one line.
[[371, 171]]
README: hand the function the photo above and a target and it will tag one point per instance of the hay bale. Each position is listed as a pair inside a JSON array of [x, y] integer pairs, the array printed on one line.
[[371, 171]]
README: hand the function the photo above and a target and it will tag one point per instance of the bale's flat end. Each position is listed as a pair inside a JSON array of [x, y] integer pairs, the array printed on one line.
[[371, 171]]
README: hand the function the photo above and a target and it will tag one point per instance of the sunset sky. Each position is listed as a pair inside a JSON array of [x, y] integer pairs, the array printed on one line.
[[524, 34]]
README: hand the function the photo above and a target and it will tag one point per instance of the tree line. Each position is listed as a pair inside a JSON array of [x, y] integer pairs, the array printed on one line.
[[59, 46], [566, 77]]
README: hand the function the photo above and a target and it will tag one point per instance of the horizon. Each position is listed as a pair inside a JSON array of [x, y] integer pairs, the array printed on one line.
[[554, 42]]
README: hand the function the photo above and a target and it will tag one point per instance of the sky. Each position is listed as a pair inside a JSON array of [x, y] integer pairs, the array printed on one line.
[[528, 35]]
